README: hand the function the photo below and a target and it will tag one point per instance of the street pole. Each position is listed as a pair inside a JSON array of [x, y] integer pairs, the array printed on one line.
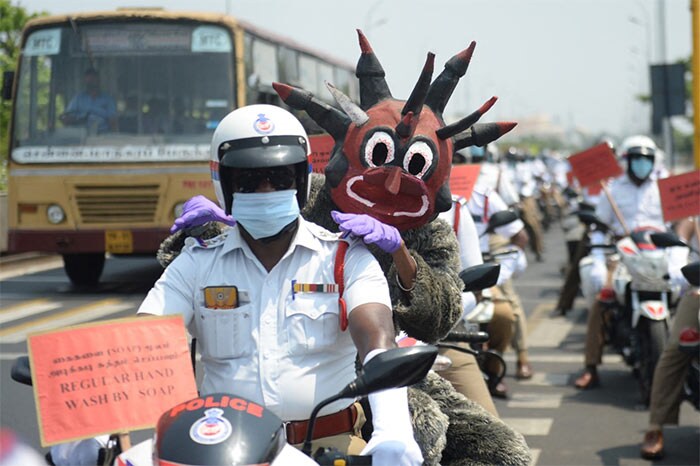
[[695, 72]]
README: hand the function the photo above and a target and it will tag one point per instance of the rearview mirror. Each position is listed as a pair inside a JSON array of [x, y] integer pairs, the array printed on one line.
[[691, 272], [397, 367], [21, 372], [501, 218], [481, 276], [666, 240], [394, 368], [589, 218]]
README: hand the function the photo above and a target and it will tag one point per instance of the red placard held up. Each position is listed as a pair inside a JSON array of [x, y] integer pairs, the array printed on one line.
[[680, 195], [321, 148], [109, 377], [463, 178], [594, 165]]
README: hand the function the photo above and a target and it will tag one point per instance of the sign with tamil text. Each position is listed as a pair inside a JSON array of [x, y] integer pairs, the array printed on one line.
[[594, 165], [321, 148], [114, 154], [680, 195], [463, 178], [109, 377]]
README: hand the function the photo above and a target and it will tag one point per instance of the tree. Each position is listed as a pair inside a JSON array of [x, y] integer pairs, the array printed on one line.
[[12, 20]]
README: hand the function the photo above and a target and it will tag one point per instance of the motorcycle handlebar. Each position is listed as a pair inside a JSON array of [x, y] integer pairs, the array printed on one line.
[[467, 337]]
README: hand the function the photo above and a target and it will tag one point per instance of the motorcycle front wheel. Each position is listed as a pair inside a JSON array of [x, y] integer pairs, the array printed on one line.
[[652, 336]]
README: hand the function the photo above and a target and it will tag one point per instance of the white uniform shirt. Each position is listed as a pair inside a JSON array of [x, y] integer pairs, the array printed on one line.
[[285, 352], [638, 205], [498, 179], [468, 239], [522, 173], [477, 203]]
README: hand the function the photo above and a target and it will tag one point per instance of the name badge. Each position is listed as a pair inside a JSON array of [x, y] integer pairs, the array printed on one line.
[[221, 297]]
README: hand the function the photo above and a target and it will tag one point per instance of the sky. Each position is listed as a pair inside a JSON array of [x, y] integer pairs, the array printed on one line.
[[576, 63]]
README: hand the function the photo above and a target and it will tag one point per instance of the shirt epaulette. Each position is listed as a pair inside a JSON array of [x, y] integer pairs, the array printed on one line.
[[459, 200], [321, 233], [210, 243]]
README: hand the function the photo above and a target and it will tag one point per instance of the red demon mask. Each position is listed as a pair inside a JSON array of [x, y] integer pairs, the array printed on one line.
[[392, 158]]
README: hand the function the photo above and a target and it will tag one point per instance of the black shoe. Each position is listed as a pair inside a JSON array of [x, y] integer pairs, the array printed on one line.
[[499, 391]]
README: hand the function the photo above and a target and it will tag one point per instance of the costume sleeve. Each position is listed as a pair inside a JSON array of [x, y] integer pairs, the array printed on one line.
[[174, 292], [434, 305]]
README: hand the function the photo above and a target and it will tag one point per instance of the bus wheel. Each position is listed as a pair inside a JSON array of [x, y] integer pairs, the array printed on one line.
[[84, 269]]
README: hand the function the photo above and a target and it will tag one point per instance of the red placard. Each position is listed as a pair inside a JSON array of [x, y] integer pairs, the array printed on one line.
[[463, 178], [595, 164], [109, 377], [680, 195], [321, 148]]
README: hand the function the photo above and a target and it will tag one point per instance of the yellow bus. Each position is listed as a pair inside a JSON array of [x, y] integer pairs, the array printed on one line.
[[112, 117]]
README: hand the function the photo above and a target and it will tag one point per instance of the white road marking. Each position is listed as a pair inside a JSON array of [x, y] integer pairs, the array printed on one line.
[[26, 309], [535, 456], [49, 263], [561, 358], [530, 425], [547, 379], [549, 333], [533, 400], [10, 356], [77, 315]]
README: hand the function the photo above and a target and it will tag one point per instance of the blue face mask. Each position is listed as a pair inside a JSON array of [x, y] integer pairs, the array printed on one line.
[[641, 167], [265, 214]]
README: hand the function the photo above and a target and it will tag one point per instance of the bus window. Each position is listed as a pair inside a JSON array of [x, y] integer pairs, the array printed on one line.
[[342, 79], [171, 82], [308, 74], [288, 65], [325, 74]]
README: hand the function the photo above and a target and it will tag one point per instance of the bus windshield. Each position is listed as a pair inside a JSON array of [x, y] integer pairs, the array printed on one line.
[[144, 91]]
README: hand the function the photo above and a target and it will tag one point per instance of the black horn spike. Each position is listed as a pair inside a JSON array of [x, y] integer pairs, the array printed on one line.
[[329, 118], [450, 130], [482, 134], [441, 90], [373, 86], [420, 91]]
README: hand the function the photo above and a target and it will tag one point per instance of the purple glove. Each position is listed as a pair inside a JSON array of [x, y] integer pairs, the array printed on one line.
[[198, 211], [371, 230]]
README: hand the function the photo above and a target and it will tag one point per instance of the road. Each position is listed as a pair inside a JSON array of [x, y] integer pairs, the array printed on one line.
[[562, 425]]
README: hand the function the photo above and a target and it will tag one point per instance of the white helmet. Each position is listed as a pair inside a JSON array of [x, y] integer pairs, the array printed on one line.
[[638, 145], [258, 136]]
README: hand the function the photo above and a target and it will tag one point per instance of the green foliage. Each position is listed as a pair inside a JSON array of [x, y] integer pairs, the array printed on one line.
[[12, 20]]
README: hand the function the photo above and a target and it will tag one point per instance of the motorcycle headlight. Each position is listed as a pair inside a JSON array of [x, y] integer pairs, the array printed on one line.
[[55, 214]]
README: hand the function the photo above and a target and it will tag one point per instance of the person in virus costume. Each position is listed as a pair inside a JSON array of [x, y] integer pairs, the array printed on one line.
[[387, 180]]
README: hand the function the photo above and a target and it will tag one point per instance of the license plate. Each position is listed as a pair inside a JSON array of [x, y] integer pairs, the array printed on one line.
[[119, 241]]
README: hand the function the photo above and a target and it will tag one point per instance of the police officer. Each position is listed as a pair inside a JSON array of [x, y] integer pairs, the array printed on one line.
[[637, 196], [464, 373], [482, 204], [275, 321]]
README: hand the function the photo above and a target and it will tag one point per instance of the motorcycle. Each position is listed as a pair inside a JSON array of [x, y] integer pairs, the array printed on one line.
[[637, 306], [257, 436]]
